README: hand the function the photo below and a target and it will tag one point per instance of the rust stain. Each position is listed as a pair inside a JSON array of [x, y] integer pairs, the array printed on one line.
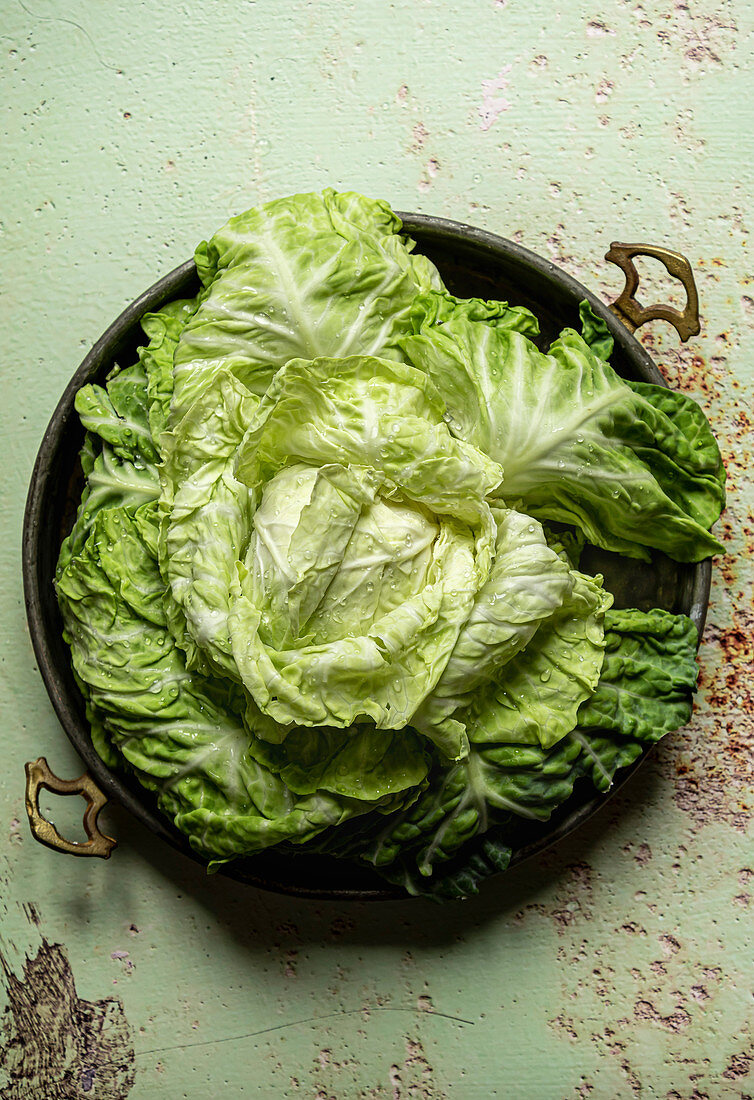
[[632, 928], [666, 1003], [669, 944], [701, 989], [53, 1043], [14, 831], [341, 926], [604, 90], [673, 1021], [714, 777], [711, 764], [704, 39], [566, 1025], [596, 28], [291, 962], [287, 947], [643, 854], [685, 368]]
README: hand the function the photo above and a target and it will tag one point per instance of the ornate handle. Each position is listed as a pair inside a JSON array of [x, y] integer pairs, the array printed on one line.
[[39, 777], [631, 312]]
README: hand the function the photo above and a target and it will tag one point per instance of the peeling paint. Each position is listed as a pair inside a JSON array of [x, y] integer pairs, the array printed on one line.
[[54, 1043], [430, 171]]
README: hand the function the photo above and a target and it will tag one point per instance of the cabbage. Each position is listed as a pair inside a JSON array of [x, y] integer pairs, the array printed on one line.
[[323, 587]]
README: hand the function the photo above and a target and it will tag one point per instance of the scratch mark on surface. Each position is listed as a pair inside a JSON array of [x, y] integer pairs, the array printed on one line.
[[32, 913], [305, 1020], [71, 23]]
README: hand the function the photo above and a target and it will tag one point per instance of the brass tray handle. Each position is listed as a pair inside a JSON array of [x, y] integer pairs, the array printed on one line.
[[631, 312], [39, 777]]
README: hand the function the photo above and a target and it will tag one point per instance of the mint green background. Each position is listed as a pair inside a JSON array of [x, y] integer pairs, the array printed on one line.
[[618, 965]]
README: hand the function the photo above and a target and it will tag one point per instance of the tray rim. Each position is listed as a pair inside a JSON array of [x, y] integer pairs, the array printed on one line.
[[166, 288]]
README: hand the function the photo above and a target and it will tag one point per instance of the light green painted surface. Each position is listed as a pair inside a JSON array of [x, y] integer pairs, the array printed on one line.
[[619, 964]]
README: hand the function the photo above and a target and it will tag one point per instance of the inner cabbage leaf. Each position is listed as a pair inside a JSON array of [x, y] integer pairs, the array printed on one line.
[[363, 563]]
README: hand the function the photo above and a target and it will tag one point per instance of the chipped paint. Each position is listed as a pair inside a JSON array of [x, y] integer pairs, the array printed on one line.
[[493, 104], [596, 28]]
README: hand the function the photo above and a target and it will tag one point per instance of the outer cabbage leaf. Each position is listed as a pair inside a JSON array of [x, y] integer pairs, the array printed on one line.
[[688, 419], [466, 798], [124, 420], [697, 485], [483, 796], [118, 459], [648, 675], [359, 762], [595, 332], [163, 329], [577, 443], [119, 414], [299, 277]]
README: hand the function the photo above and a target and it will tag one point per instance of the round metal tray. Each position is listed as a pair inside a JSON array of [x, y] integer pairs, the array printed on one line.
[[473, 263]]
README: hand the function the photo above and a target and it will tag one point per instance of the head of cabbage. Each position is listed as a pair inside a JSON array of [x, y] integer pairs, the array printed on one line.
[[313, 593]]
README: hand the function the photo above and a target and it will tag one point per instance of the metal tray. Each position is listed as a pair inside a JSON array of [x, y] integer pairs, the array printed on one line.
[[473, 263]]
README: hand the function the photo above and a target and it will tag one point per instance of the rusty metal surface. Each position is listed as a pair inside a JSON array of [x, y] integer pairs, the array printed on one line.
[[617, 965]]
